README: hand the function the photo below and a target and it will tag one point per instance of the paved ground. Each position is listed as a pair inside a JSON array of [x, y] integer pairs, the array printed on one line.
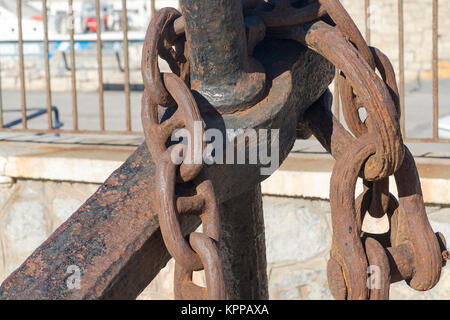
[[88, 109], [419, 107]]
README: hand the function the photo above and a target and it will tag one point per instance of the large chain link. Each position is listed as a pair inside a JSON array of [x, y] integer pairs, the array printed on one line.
[[199, 251], [415, 232]]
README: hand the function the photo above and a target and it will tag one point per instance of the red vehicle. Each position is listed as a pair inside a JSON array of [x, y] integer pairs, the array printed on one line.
[[88, 15], [91, 24]]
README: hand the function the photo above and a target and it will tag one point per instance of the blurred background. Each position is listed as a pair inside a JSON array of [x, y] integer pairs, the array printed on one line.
[[120, 73]]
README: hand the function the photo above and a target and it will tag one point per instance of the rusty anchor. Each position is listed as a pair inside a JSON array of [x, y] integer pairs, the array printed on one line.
[[235, 66]]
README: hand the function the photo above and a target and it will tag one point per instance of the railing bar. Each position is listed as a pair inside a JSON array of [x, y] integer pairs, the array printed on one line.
[[336, 96], [367, 20], [100, 67], [401, 64], [1, 98], [69, 131], [135, 133], [126, 62], [153, 8], [426, 140], [47, 66], [135, 39], [21, 65], [72, 67], [435, 72]]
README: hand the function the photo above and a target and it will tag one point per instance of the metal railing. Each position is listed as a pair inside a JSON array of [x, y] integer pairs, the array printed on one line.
[[101, 103], [73, 73]]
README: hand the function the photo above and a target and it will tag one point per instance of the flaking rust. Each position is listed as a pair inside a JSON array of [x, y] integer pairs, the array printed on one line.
[[233, 68]]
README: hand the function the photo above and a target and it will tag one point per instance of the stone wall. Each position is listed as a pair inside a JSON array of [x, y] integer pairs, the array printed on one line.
[[30, 211], [298, 238]]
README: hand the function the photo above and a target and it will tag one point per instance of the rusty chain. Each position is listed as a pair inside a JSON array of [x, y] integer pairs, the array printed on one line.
[[200, 250], [409, 227], [409, 251]]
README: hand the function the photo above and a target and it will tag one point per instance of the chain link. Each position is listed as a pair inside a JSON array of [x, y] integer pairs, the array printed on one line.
[[413, 222], [199, 251], [376, 153]]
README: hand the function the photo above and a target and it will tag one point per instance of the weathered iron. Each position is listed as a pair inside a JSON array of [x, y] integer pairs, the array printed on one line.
[[115, 238], [234, 68], [200, 252], [222, 72], [407, 258], [376, 153]]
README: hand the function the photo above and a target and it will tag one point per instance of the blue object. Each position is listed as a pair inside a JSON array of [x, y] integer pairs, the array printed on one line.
[[56, 124]]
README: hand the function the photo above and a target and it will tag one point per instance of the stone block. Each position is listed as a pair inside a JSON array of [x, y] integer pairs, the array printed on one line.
[[401, 291], [63, 207], [299, 281], [6, 192], [66, 197], [25, 226], [162, 285], [293, 231], [440, 221], [442, 289]]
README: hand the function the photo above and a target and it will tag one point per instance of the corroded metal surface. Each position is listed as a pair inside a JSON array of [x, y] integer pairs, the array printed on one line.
[[233, 84], [233, 69], [222, 72], [197, 251], [115, 237], [376, 153], [244, 266], [414, 253]]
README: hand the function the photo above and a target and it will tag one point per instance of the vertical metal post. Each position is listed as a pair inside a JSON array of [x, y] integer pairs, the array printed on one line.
[[435, 73], [47, 66], [401, 64], [127, 64], [72, 68], [153, 7], [243, 247], [367, 19], [1, 98], [221, 70], [101, 102], [21, 65]]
